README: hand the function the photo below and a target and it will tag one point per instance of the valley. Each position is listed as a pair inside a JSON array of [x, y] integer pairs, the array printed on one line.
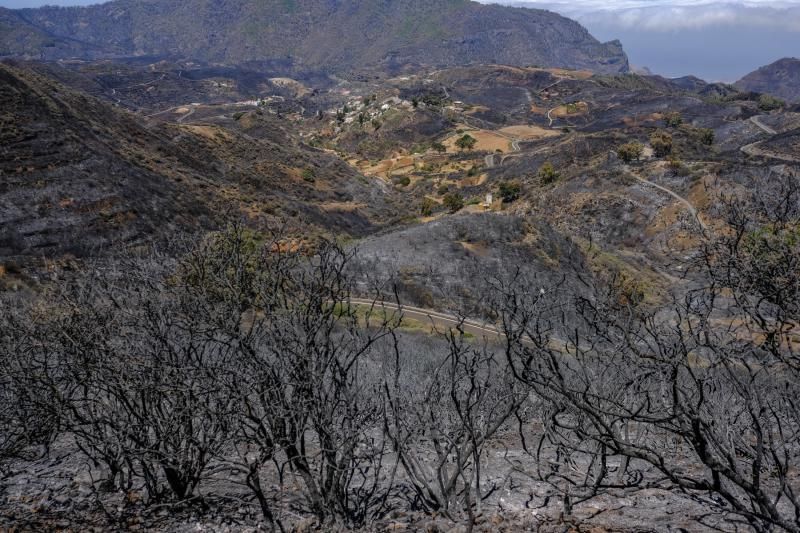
[[475, 275]]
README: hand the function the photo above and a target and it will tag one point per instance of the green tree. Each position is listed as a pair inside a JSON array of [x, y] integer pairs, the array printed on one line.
[[631, 151], [439, 147], [661, 141], [509, 191], [548, 173], [453, 202], [467, 142], [673, 119]]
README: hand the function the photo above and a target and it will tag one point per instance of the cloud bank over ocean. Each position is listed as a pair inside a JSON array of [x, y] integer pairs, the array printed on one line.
[[681, 14], [716, 40]]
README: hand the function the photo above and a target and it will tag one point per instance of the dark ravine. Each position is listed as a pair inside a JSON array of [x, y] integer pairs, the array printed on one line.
[[329, 35]]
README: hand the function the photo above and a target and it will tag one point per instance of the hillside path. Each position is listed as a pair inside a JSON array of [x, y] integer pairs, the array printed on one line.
[[763, 127], [681, 199]]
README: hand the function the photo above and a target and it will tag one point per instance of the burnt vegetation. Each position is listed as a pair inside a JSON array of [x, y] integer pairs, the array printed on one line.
[[245, 373]]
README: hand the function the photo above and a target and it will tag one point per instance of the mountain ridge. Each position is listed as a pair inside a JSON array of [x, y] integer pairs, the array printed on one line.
[[781, 79], [79, 175], [332, 35]]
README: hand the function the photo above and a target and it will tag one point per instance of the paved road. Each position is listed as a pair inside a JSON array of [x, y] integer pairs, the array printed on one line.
[[442, 320], [436, 318]]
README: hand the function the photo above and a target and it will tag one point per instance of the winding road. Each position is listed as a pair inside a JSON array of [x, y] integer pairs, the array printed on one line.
[[763, 127], [187, 115], [489, 159], [753, 149], [441, 320], [681, 199], [550, 118]]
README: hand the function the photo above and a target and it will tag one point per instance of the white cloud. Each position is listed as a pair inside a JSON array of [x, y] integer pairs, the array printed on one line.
[[669, 15]]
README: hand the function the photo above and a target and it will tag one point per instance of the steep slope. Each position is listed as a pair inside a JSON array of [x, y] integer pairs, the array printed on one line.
[[781, 78], [78, 176], [334, 35]]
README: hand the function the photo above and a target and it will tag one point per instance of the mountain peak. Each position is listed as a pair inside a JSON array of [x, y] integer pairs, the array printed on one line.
[[781, 78]]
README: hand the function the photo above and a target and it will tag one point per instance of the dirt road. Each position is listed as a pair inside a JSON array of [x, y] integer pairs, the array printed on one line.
[[681, 199], [763, 127]]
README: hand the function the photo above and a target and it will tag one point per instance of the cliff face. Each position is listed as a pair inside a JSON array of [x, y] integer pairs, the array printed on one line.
[[332, 35], [781, 79]]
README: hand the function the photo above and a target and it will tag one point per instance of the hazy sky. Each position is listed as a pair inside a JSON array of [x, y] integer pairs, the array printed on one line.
[[719, 40]]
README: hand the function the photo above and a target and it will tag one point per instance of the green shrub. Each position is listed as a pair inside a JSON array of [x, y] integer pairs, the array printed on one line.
[[769, 103], [309, 175], [426, 207], [548, 173], [631, 151], [705, 136], [673, 119], [661, 142], [509, 191], [677, 167], [453, 202], [403, 181]]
